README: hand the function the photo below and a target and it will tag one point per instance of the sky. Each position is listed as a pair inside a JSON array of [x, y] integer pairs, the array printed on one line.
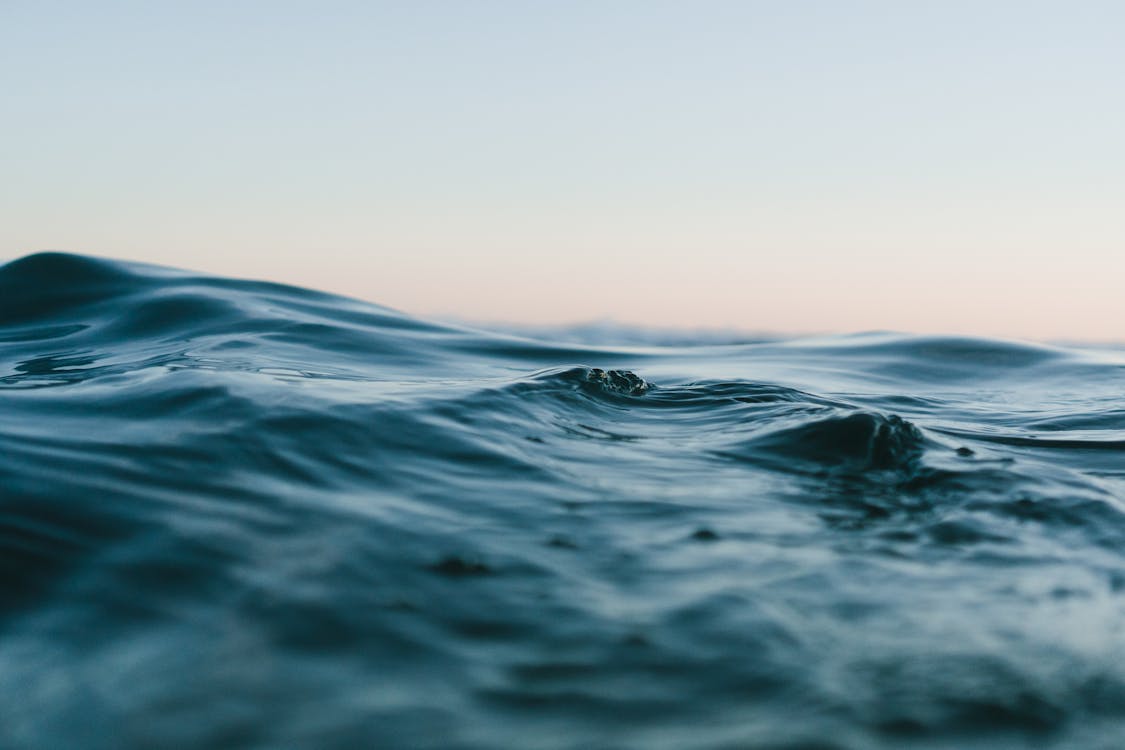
[[794, 167]]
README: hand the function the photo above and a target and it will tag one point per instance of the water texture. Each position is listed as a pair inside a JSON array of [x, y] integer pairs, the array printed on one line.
[[242, 515]]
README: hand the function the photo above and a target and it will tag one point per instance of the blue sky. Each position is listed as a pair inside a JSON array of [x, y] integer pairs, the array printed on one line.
[[803, 166]]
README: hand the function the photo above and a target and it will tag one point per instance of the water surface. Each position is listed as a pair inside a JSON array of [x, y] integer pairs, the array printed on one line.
[[237, 514]]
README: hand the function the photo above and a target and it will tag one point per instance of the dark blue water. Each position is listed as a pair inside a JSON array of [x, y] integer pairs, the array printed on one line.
[[242, 515]]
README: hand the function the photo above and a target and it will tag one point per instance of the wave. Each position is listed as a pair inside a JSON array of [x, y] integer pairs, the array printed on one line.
[[241, 514]]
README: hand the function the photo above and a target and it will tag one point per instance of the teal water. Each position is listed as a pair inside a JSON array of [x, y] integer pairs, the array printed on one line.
[[242, 515]]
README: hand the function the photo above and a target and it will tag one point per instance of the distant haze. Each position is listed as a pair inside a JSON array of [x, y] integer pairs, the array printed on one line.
[[953, 167]]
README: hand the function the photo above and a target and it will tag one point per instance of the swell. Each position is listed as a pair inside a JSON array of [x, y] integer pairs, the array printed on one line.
[[74, 317]]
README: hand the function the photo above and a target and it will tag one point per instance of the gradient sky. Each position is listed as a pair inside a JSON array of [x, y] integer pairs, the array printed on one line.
[[952, 167]]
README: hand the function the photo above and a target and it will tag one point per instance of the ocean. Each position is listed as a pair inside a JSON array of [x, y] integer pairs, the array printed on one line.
[[237, 514]]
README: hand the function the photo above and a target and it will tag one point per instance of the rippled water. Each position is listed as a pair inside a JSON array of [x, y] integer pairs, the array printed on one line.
[[236, 514]]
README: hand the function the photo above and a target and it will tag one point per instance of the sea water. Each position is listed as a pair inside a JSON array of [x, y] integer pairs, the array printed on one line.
[[242, 515]]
